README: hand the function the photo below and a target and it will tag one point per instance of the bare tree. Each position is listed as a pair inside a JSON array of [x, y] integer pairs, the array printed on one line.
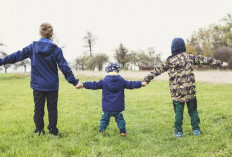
[[154, 56], [224, 54], [23, 63], [91, 63], [89, 41], [81, 62], [100, 59], [133, 58], [121, 55], [1, 44]]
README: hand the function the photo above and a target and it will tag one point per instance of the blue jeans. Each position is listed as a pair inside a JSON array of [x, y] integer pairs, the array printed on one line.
[[105, 119]]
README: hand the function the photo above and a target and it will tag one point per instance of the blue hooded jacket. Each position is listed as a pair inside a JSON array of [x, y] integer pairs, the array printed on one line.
[[113, 98], [45, 56]]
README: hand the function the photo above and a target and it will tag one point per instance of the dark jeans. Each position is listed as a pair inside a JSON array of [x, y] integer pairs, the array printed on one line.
[[105, 119], [192, 111], [39, 100]]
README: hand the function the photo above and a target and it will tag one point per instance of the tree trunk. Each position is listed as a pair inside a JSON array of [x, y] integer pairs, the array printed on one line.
[[5, 70], [25, 68], [90, 50], [123, 66], [100, 67]]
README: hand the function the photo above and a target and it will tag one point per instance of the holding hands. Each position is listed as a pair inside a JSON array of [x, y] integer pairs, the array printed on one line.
[[79, 86], [144, 84]]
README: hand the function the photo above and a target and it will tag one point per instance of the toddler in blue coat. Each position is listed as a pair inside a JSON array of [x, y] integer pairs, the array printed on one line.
[[113, 102]]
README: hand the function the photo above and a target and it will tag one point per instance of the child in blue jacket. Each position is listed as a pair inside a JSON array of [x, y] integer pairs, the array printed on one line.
[[45, 57], [113, 102]]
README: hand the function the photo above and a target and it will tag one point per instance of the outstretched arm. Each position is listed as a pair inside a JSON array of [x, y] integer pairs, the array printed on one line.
[[93, 85], [156, 72], [66, 70], [17, 56], [132, 84], [198, 59]]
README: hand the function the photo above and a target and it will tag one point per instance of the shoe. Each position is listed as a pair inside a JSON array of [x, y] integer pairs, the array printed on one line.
[[40, 132], [123, 134], [178, 134], [53, 131], [101, 131], [196, 132]]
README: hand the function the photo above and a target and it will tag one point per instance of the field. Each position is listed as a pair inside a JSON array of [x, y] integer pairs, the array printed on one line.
[[149, 115]]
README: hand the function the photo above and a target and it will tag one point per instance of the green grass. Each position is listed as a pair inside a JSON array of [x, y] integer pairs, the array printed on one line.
[[149, 116]]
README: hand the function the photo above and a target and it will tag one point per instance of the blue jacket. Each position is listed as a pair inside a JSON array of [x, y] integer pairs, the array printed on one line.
[[45, 56], [113, 98]]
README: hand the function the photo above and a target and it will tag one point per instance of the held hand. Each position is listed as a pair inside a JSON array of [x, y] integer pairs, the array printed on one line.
[[144, 84], [224, 64], [79, 86]]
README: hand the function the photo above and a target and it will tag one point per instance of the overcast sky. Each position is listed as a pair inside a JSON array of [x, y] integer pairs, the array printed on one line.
[[137, 24]]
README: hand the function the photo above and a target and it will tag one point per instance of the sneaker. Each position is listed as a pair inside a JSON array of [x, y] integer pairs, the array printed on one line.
[[178, 134], [123, 134], [53, 131], [101, 131], [196, 132], [40, 132]]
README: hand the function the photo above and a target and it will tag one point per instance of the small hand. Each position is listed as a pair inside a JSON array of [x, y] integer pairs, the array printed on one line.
[[144, 84], [224, 64], [79, 86]]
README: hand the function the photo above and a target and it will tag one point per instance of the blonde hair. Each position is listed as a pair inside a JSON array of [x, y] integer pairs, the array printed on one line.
[[46, 30]]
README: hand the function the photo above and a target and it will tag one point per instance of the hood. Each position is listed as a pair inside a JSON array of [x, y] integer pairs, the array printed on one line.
[[114, 82], [44, 48], [178, 46]]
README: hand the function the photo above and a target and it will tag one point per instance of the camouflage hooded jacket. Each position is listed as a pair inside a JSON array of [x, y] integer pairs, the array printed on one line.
[[181, 76]]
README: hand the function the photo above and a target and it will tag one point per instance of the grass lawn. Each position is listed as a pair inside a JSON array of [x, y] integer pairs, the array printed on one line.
[[149, 115]]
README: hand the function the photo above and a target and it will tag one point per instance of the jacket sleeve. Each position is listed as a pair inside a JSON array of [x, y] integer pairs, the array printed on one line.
[[17, 56], [132, 84], [198, 59], [66, 70], [93, 85], [158, 70]]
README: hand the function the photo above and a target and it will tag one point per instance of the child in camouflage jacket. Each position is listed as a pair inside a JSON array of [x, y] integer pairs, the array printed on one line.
[[182, 82]]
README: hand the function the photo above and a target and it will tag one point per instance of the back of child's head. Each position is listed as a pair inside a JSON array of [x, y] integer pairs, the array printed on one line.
[[46, 30], [178, 46], [112, 67]]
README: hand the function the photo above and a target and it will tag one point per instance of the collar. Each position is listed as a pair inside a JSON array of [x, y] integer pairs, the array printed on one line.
[[46, 40], [112, 73]]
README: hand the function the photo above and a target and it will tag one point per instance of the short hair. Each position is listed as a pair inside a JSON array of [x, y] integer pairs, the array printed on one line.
[[46, 30]]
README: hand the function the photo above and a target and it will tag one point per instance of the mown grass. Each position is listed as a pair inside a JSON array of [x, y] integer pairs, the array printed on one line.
[[149, 116]]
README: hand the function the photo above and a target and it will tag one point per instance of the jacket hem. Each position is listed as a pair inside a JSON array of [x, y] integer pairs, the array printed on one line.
[[45, 90]]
